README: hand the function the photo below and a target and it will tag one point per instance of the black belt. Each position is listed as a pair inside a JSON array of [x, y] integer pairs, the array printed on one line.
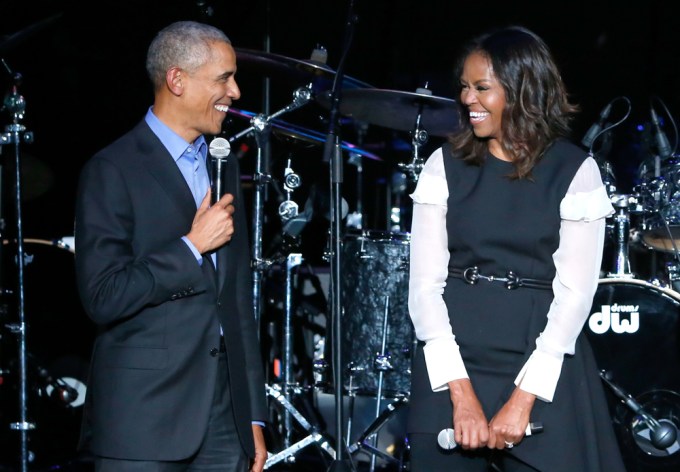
[[511, 280]]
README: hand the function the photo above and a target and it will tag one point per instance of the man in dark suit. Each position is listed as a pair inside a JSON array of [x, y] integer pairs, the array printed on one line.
[[176, 380]]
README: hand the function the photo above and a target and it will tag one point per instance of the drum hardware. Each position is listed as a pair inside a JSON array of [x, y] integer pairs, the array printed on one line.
[[14, 135], [621, 230], [297, 133], [663, 434], [368, 438], [57, 357], [382, 364], [261, 126], [314, 437]]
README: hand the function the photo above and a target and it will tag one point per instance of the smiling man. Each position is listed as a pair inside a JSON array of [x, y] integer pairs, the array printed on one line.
[[176, 380]]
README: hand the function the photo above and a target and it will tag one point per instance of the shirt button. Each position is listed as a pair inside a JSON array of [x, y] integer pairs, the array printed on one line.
[[214, 351]]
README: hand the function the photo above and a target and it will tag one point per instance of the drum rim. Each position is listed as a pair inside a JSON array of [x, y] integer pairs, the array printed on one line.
[[378, 235], [644, 283]]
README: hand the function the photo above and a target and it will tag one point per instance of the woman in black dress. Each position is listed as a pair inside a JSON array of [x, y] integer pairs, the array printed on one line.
[[506, 247]]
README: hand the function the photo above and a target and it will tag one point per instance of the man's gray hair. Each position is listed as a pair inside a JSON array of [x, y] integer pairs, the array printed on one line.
[[183, 44]]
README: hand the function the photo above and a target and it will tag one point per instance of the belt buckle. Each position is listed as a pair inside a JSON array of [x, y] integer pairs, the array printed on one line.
[[471, 275], [512, 280]]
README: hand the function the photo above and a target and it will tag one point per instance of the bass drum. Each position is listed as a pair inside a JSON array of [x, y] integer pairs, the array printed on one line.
[[377, 334], [634, 330], [58, 344]]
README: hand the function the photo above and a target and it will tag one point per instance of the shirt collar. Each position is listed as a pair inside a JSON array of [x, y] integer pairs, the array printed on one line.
[[174, 143]]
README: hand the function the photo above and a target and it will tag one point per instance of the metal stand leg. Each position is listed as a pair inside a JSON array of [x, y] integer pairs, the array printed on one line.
[[314, 437], [15, 134]]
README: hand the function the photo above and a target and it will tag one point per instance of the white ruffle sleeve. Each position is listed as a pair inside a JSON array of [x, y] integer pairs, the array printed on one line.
[[577, 261], [429, 255]]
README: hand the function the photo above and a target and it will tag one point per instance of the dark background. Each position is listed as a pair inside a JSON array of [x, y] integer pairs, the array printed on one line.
[[84, 80], [84, 83]]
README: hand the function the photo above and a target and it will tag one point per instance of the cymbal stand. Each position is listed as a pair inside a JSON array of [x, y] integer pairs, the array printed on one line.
[[419, 138], [261, 126], [293, 223], [356, 218], [14, 135]]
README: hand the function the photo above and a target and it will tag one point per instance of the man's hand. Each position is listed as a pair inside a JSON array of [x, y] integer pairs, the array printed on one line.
[[260, 450], [213, 226]]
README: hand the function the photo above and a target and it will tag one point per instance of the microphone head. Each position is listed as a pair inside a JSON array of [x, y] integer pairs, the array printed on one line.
[[664, 435], [219, 148], [445, 439]]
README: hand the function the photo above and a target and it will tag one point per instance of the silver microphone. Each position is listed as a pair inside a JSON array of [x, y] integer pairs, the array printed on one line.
[[446, 440], [219, 150]]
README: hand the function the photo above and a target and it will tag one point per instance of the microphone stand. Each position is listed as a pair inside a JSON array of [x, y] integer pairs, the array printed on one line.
[[332, 156], [14, 135]]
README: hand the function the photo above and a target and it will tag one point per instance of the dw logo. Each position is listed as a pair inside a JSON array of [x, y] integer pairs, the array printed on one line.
[[610, 317]]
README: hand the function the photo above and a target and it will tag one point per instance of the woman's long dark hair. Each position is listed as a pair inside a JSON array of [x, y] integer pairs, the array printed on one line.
[[537, 109]]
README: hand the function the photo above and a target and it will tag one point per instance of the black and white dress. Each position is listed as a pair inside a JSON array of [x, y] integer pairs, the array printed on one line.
[[551, 228]]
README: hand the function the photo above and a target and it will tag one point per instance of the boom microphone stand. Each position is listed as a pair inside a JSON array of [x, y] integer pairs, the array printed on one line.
[[332, 156], [14, 135]]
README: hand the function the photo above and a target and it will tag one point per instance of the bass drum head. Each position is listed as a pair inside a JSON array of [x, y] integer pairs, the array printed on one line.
[[634, 330], [58, 344]]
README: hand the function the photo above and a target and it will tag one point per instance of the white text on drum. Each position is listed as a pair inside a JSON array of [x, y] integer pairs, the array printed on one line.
[[610, 317]]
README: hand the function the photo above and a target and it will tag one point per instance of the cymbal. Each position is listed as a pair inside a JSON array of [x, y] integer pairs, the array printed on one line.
[[10, 42], [288, 131], [398, 110], [296, 70]]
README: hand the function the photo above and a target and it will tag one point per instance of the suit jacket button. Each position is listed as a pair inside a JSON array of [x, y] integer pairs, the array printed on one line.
[[214, 351]]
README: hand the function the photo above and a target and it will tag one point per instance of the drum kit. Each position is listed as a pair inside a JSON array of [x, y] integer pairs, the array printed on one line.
[[377, 338], [634, 322]]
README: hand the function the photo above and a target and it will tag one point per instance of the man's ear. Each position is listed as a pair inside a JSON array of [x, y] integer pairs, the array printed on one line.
[[173, 79]]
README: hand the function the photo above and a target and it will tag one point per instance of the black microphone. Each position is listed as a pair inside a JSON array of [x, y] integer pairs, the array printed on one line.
[[662, 144], [596, 128], [219, 150], [446, 440], [662, 435]]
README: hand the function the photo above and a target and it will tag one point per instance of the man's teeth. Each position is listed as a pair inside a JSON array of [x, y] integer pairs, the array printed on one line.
[[223, 108]]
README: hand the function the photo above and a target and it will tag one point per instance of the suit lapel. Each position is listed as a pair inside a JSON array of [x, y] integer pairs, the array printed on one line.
[[164, 169]]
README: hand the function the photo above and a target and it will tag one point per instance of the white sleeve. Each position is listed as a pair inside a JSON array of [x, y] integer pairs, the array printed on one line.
[[577, 261], [429, 258]]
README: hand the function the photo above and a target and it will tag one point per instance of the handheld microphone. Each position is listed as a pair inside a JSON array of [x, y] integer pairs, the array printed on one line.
[[662, 144], [219, 150], [446, 440], [596, 127]]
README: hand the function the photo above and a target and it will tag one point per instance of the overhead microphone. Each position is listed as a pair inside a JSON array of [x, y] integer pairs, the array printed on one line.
[[662, 145], [446, 440], [596, 128], [219, 150]]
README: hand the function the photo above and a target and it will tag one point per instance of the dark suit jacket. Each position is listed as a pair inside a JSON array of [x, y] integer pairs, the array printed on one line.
[[152, 375]]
